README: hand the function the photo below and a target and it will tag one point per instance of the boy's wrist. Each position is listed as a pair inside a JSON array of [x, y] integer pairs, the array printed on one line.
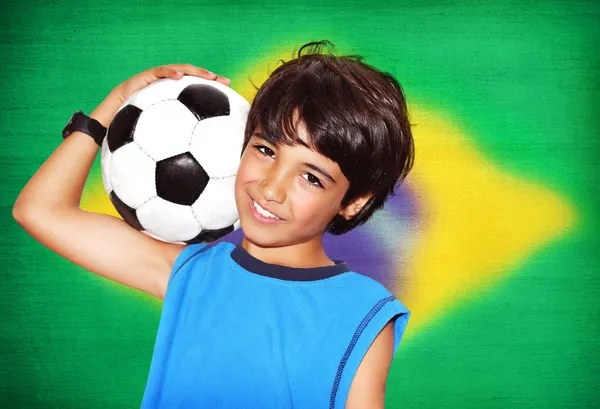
[[106, 111]]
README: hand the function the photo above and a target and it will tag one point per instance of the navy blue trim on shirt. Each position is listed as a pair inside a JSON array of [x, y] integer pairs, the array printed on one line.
[[361, 327], [206, 247], [254, 265]]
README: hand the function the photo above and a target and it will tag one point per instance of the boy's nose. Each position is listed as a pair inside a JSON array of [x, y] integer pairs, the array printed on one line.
[[273, 188]]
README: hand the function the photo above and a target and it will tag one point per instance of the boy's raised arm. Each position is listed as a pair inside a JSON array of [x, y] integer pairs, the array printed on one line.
[[48, 207]]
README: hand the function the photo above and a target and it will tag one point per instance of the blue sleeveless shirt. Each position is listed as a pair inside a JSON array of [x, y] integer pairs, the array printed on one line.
[[236, 332]]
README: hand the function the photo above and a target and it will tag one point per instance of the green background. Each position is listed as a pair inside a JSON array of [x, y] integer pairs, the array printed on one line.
[[524, 79]]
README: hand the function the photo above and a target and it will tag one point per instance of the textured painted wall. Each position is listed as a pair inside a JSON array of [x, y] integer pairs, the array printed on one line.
[[491, 242]]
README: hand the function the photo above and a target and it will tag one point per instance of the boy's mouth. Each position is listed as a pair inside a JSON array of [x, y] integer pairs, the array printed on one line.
[[262, 214]]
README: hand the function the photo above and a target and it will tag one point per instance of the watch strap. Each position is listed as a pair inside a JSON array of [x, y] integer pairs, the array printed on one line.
[[81, 122]]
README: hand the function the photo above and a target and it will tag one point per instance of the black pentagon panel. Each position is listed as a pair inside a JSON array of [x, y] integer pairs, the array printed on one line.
[[207, 236], [205, 101], [180, 179], [120, 130], [126, 212]]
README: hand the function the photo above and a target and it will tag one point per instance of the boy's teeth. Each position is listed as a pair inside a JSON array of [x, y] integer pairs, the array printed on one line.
[[263, 211]]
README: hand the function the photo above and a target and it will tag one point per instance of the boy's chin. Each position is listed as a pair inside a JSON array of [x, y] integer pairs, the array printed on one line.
[[264, 237], [267, 238], [264, 241]]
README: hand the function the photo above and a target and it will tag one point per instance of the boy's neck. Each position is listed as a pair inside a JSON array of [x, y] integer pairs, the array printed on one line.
[[302, 255]]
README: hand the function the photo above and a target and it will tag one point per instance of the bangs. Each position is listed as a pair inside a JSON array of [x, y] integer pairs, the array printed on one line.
[[280, 126], [300, 101], [282, 117]]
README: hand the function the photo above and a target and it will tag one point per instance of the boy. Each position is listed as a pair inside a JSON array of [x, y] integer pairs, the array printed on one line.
[[271, 322]]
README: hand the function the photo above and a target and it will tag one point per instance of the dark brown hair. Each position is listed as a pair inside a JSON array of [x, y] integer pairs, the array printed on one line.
[[354, 114]]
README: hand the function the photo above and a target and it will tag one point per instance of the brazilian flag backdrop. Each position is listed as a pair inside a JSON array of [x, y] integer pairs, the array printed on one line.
[[492, 242]]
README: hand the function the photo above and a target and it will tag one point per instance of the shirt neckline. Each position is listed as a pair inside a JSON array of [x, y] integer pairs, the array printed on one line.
[[250, 263]]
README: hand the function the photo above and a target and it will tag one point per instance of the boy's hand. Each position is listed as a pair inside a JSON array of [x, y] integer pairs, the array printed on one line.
[[174, 71]]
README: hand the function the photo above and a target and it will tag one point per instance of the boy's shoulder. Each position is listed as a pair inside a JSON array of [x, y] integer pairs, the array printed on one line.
[[362, 283], [361, 286], [192, 254], [192, 250]]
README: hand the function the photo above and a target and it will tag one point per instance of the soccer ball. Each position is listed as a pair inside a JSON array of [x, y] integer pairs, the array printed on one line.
[[170, 157]]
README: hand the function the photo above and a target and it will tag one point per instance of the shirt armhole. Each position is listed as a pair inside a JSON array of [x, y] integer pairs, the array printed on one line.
[[184, 257], [382, 312]]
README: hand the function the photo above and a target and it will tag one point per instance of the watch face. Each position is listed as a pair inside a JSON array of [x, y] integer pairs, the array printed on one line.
[[67, 130]]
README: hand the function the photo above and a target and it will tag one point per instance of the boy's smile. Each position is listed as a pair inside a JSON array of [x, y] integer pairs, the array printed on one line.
[[261, 214]]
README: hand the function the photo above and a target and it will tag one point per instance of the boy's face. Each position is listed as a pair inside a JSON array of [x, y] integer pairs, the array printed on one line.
[[284, 181]]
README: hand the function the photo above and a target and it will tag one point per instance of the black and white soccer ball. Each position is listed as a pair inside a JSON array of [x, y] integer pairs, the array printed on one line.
[[170, 158]]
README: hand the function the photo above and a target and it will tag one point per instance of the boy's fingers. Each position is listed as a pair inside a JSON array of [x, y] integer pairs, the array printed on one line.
[[223, 80], [172, 71], [189, 69], [204, 73]]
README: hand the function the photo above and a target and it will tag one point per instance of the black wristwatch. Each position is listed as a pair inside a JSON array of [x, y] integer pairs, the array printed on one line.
[[81, 122]]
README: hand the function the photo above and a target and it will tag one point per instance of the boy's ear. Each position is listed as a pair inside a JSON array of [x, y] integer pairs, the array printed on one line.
[[354, 207]]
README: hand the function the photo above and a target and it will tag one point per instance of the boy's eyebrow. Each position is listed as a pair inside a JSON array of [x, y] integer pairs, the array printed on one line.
[[310, 165]]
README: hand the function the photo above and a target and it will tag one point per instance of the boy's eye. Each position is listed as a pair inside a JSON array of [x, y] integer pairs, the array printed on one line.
[[266, 152], [313, 180]]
